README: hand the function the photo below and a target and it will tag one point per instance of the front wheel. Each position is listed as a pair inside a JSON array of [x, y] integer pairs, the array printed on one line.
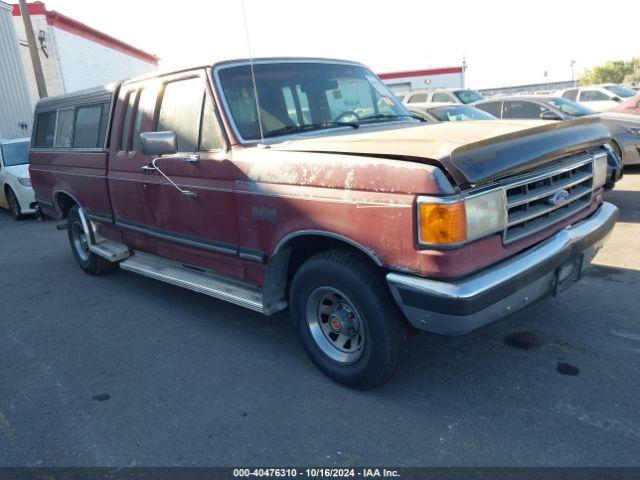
[[347, 321], [14, 204], [89, 262]]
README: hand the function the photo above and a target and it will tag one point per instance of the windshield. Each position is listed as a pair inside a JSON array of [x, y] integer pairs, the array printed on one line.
[[570, 108], [469, 96], [296, 97], [15, 153], [459, 113], [621, 91]]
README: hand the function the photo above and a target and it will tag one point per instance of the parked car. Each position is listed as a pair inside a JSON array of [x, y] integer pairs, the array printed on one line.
[[16, 193], [625, 129], [630, 106], [422, 99], [598, 97], [254, 182], [451, 113]]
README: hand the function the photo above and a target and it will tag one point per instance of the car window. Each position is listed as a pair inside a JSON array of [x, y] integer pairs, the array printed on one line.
[[571, 94], [524, 109], [87, 127], [442, 97], [16, 153], [211, 134], [45, 129], [64, 130], [570, 108], [622, 92], [494, 108], [146, 97], [593, 96], [418, 98], [180, 111], [459, 113], [469, 96]]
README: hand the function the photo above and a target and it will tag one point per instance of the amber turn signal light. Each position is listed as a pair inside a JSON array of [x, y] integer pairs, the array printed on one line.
[[442, 223]]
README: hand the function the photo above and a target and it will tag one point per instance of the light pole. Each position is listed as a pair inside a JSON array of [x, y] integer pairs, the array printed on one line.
[[572, 63]]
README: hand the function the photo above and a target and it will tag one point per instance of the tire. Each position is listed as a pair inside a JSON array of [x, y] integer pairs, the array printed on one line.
[[347, 321], [14, 204], [89, 262]]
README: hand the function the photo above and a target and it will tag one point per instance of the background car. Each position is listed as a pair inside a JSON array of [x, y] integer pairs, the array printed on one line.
[[451, 113], [423, 99], [598, 97], [630, 106], [16, 193]]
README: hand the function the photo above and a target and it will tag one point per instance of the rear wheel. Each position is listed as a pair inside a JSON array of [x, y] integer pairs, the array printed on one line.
[[79, 240], [347, 321], [14, 204]]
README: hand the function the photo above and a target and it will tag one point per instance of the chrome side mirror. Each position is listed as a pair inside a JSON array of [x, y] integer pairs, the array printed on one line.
[[159, 143]]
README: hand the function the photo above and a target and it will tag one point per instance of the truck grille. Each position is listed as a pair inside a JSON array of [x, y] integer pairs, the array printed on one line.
[[542, 199]]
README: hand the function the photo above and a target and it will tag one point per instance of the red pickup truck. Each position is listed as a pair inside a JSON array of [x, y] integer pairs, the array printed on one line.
[[305, 183]]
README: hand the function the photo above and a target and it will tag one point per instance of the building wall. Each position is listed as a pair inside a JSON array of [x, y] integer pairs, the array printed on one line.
[[15, 101], [404, 82], [85, 64]]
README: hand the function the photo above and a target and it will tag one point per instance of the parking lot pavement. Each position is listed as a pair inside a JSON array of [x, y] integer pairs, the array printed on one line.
[[122, 370]]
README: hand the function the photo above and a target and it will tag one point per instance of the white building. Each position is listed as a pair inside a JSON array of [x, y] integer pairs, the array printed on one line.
[[404, 82], [74, 56]]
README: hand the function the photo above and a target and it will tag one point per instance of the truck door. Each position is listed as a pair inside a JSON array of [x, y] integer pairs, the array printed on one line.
[[199, 228], [128, 183]]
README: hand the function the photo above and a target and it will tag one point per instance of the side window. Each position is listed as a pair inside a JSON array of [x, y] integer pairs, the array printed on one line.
[[442, 97], [571, 94], [522, 109], [494, 108], [593, 96], [87, 127], [418, 98], [64, 131], [210, 136], [45, 129], [126, 126], [180, 111], [145, 97]]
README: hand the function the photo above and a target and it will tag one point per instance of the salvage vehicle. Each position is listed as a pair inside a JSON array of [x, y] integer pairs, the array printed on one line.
[[16, 193], [631, 106], [451, 113], [256, 182], [624, 129], [423, 99], [598, 97]]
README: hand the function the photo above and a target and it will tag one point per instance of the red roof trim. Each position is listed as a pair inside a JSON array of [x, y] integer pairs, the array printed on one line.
[[70, 25], [421, 73]]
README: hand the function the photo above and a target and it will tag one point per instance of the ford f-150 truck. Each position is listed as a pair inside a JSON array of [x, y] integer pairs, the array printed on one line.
[[304, 183]]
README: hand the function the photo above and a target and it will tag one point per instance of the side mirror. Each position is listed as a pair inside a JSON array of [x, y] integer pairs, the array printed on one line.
[[616, 99], [159, 143], [549, 115]]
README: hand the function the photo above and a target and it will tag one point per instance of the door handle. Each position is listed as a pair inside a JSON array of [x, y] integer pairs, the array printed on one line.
[[148, 169]]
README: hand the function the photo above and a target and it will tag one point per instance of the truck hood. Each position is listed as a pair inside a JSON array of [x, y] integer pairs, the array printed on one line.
[[18, 171], [471, 152]]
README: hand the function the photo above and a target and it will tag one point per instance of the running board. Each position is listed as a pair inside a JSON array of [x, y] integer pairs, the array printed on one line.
[[215, 286], [112, 251]]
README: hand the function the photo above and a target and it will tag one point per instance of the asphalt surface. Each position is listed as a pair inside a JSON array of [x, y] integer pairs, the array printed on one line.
[[121, 370]]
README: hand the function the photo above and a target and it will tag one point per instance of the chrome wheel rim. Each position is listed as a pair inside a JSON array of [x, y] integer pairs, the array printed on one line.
[[80, 241], [335, 324]]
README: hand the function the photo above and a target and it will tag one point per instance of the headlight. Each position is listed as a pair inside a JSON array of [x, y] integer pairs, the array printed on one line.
[[26, 181], [599, 171], [634, 130], [453, 221]]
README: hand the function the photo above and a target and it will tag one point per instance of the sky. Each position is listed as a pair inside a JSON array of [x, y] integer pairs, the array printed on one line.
[[503, 42]]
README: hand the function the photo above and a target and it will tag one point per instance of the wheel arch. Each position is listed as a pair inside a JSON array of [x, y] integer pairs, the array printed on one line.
[[293, 250], [63, 201]]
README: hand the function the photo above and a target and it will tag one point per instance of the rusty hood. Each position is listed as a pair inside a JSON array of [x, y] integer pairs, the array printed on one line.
[[471, 152]]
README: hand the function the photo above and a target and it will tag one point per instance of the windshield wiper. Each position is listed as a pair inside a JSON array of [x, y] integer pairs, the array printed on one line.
[[378, 116], [305, 127]]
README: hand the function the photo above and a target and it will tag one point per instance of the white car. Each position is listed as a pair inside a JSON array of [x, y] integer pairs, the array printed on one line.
[[423, 99], [598, 97], [16, 193]]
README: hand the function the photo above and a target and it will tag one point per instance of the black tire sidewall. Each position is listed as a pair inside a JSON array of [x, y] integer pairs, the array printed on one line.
[[383, 337], [12, 199], [89, 265]]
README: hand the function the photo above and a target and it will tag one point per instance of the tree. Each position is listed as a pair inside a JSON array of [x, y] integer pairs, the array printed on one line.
[[616, 71]]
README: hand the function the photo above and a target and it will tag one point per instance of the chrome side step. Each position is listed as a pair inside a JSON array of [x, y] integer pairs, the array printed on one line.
[[168, 271]]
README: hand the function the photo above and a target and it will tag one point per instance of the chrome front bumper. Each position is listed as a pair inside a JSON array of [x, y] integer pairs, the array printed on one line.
[[458, 307]]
